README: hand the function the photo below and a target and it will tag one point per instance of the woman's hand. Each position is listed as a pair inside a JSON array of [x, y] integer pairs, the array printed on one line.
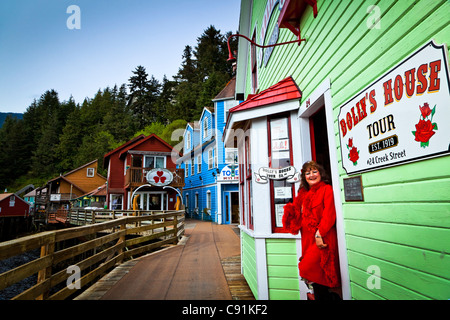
[[319, 241]]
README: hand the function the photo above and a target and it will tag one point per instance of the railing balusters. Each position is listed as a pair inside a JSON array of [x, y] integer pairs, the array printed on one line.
[[100, 247]]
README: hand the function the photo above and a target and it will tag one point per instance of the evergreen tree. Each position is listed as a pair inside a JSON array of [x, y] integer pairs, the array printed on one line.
[[69, 141], [51, 124], [165, 105], [13, 151], [94, 146], [144, 93], [118, 118]]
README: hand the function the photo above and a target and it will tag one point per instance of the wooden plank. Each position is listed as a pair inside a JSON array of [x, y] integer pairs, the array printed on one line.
[[388, 290], [281, 246], [413, 236], [427, 285], [135, 241], [419, 214], [88, 245], [146, 248], [24, 271], [149, 227], [63, 275], [34, 292], [279, 271], [431, 191], [99, 271], [282, 260], [431, 262], [18, 246], [76, 232]]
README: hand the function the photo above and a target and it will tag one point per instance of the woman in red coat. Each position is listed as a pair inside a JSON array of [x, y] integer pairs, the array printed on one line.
[[314, 215]]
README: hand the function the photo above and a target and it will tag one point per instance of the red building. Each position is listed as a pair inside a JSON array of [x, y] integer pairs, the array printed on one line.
[[13, 206], [143, 168]]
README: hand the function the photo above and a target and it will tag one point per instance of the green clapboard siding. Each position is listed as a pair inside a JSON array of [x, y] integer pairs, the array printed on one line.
[[248, 261], [282, 270], [403, 225]]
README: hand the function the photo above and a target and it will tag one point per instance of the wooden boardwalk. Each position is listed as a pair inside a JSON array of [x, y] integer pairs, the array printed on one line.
[[204, 266]]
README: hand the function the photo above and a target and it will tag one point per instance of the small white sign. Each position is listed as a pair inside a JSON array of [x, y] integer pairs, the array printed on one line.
[[159, 177], [229, 173], [283, 192]]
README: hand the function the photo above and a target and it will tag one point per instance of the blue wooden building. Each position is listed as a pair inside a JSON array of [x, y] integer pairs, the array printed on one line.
[[211, 190]]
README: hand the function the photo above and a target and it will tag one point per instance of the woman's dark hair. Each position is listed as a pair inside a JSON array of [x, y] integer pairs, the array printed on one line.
[[313, 165]]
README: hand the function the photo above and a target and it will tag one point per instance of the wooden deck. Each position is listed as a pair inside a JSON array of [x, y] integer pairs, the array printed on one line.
[[205, 265]]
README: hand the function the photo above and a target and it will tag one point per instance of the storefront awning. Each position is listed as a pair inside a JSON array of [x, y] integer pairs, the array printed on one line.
[[265, 102], [284, 90]]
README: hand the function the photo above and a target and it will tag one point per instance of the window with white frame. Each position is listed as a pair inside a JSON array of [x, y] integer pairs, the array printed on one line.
[[192, 167], [186, 169], [188, 140], [199, 164], [208, 200], [231, 155], [215, 157], [210, 158], [205, 128], [152, 162], [90, 172], [116, 202]]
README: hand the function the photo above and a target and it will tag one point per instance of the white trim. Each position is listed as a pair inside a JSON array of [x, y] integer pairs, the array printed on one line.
[[261, 269], [219, 193], [280, 107], [92, 170], [322, 96]]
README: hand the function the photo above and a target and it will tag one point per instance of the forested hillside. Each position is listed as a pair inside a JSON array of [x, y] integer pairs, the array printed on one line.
[[57, 136], [4, 115]]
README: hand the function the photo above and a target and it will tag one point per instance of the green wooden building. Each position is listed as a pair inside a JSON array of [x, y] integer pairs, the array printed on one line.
[[367, 94]]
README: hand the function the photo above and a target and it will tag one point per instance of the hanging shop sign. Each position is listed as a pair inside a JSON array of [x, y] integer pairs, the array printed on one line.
[[229, 173], [402, 117], [159, 177], [289, 173]]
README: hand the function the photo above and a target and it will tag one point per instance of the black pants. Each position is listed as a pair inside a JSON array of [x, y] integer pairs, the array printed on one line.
[[322, 293]]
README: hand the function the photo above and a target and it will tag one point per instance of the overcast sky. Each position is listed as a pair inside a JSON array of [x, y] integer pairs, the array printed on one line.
[[48, 44]]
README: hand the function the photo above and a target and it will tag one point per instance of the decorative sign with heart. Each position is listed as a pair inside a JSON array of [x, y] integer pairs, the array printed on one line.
[[159, 177]]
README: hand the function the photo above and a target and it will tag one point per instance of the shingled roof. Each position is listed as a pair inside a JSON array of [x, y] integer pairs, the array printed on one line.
[[228, 91]]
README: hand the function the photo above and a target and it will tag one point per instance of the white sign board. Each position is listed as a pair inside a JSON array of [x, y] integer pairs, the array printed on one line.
[[402, 117], [229, 173], [159, 177]]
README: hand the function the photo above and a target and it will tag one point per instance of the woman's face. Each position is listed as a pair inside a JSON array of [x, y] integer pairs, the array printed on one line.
[[312, 176]]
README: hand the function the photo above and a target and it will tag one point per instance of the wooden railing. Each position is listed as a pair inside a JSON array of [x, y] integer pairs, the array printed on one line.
[[81, 217], [99, 247]]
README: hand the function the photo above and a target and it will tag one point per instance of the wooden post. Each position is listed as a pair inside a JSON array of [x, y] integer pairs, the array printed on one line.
[[175, 227], [44, 274], [122, 239]]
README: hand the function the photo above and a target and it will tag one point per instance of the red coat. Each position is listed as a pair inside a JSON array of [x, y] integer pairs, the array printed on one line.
[[312, 210]]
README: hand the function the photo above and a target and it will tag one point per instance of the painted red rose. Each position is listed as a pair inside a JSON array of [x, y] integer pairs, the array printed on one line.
[[353, 156], [424, 131], [425, 110]]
